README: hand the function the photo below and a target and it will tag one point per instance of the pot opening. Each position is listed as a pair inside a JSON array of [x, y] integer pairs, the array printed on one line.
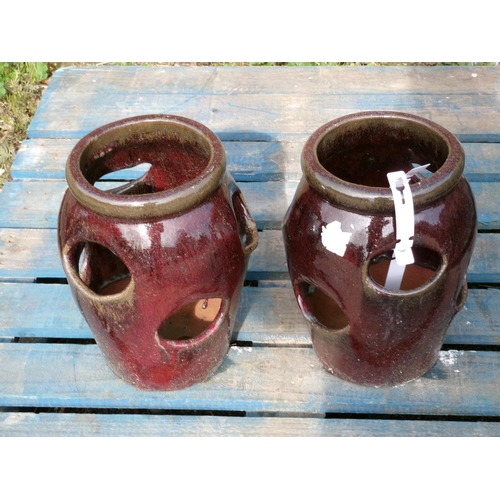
[[320, 308], [364, 152], [422, 271], [100, 269], [191, 320], [175, 154]]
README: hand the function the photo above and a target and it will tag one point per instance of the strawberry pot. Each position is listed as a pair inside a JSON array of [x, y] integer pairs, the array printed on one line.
[[341, 236], [157, 265]]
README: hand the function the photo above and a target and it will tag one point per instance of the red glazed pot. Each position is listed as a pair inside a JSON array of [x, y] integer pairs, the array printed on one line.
[[156, 266], [361, 330]]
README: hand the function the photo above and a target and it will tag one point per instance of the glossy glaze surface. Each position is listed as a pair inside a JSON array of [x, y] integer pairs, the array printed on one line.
[[362, 331], [155, 267]]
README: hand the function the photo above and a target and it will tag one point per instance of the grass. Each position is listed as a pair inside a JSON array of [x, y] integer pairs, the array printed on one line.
[[22, 85]]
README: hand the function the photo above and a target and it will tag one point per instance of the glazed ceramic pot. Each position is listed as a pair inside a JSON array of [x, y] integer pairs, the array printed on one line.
[[156, 266], [363, 330]]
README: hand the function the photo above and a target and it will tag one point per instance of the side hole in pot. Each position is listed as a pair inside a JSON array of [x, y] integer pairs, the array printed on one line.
[[246, 226], [462, 296], [426, 265], [319, 307], [241, 216], [100, 269], [191, 320]]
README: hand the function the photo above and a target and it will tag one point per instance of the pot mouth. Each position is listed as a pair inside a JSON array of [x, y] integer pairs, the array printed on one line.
[[347, 159], [187, 162]]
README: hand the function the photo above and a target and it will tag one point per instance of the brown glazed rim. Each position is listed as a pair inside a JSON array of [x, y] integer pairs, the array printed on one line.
[[379, 200], [137, 206]]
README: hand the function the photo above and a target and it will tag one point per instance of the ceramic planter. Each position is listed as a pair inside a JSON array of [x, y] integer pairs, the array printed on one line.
[[156, 266], [363, 330]]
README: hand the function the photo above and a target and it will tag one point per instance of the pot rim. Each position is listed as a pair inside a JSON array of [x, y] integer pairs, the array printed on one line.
[[379, 200], [162, 203]]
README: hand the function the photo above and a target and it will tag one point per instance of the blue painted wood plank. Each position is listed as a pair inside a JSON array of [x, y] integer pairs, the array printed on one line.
[[35, 204], [48, 310], [279, 80], [266, 316], [482, 162], [250, 379], [26, 424], [267, 117], [246, 161], [240, 106], [32, 253]]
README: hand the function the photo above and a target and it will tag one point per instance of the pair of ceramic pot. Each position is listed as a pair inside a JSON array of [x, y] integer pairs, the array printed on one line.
[[157, 265]]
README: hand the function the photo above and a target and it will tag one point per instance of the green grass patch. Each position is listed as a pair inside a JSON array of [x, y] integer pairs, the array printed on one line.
[[20, 91]]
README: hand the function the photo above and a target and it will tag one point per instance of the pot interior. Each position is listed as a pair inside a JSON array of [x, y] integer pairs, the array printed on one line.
[[175, 155], [363, 152], [103, 272], [191, 320], [320, 308], [422, 271]]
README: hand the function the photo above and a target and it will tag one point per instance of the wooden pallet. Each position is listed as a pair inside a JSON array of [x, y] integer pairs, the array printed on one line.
[[53, 378]]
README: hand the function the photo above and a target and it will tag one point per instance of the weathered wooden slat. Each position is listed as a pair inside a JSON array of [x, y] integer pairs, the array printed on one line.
[[246, 161], [252, 379], [281, 80], [263, 117], [279, 376], [26, 424], [48, 310], [267, 316], [32, 253], [35, 204]]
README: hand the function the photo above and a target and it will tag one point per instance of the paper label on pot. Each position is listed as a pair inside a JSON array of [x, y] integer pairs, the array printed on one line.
[[334, 239]]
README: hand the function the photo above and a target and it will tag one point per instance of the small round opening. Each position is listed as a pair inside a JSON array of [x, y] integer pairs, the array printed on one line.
[[191, 320], [426, 265], [365, 152], [100, 269], [320, 308]]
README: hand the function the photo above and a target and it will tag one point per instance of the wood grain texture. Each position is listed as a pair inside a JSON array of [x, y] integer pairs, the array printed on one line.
[[248, 104], [268, 117], [279, 80], [253, 379], [28, 424], [246, 161], [263, 116], [266, 316], [36, 203], [32, 253]]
